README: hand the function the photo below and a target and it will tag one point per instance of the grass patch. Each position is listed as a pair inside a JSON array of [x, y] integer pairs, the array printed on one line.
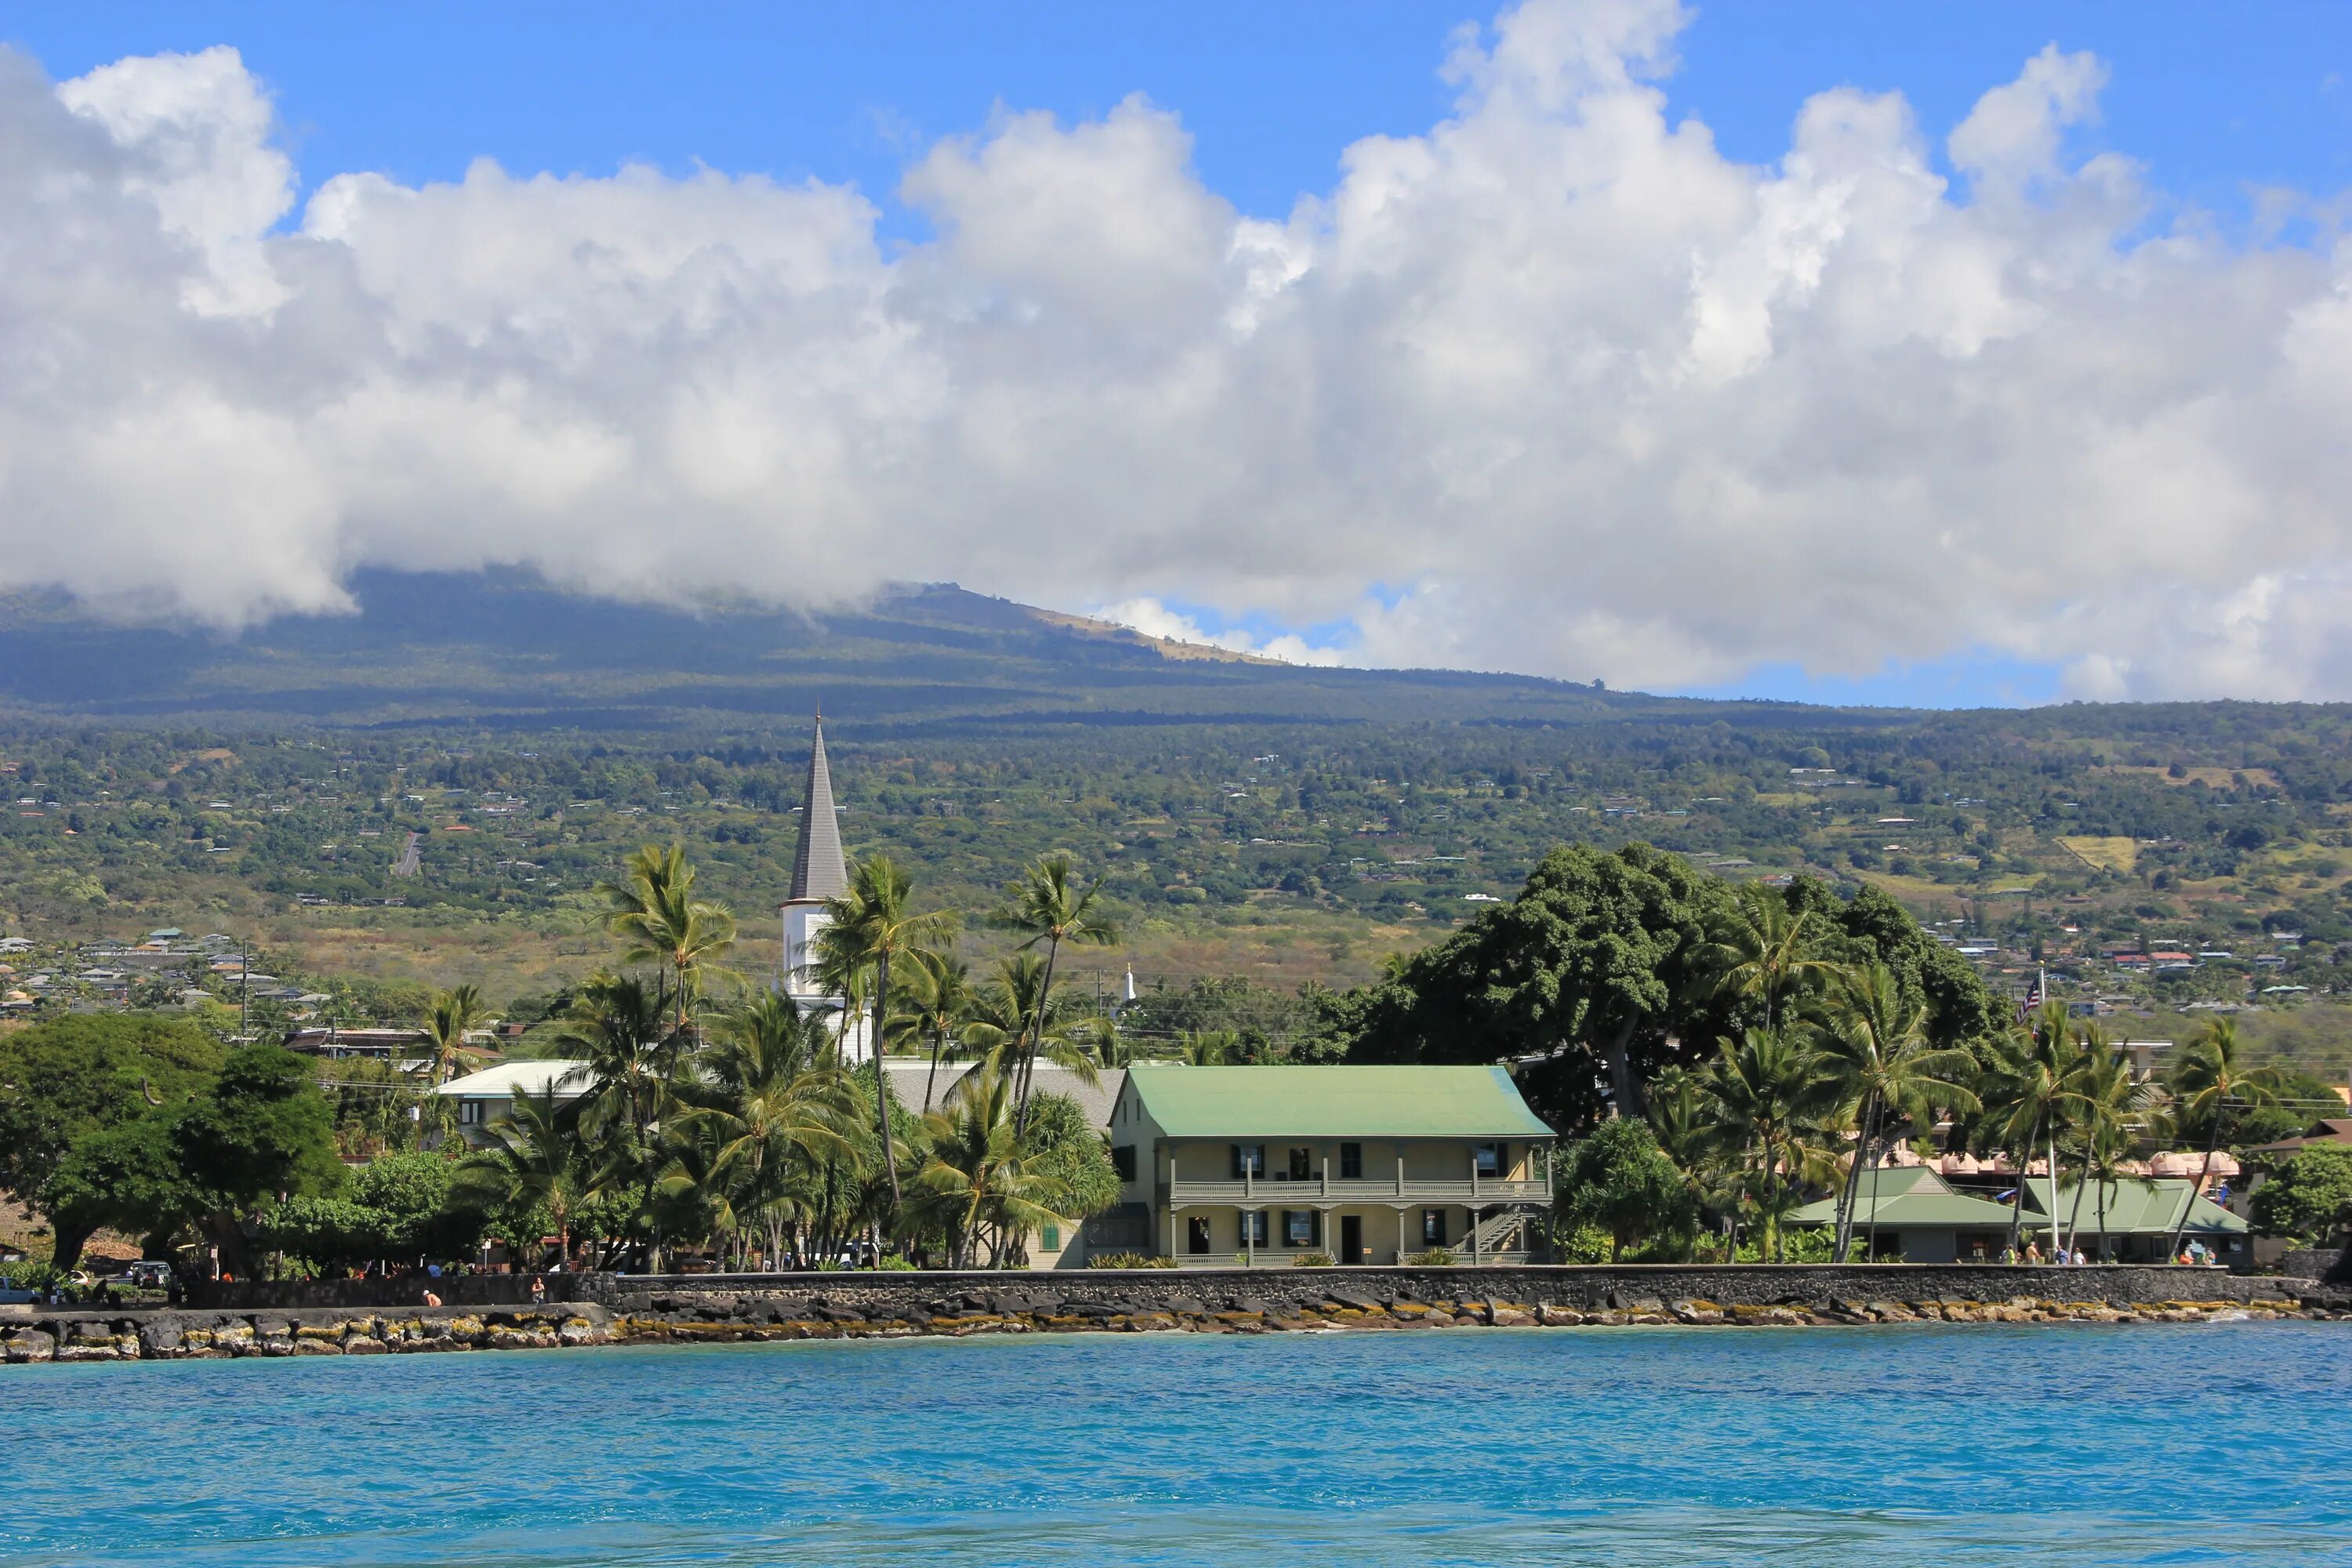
[[2105, 854]]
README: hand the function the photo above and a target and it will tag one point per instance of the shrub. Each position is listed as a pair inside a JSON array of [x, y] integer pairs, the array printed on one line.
[[1312, 1260], [1435, 1258], [892, 1263], [1129, 1261]]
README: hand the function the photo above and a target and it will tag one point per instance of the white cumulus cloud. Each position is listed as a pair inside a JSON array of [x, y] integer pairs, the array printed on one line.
[[1553, 386]]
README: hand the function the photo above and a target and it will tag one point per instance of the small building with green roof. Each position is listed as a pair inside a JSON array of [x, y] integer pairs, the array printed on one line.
[[1260, 1165], [1908, 1213], [2135, 1220]]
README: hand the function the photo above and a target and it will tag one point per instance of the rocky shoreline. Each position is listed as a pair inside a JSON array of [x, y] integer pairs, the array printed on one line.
[[735, 1316]]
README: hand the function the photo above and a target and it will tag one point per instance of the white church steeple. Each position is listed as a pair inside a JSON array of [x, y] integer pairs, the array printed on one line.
[[819, 872]]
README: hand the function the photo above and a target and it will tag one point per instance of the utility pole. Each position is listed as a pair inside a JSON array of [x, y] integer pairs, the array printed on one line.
[[245, 991]]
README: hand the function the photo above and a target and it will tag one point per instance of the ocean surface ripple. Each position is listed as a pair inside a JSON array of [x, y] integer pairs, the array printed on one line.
[[2188, 1444]]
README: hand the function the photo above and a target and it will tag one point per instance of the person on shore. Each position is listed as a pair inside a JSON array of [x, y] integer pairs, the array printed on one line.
[[537, 1291], [2009, 1255], [2034, 1253], [431, 1299]]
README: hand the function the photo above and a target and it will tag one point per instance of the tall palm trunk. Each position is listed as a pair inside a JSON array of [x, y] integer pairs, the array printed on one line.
[[2017, 1198], [1036, 1037], [881, 1087], [2075, 1215], [931, 1084], [1853, 1177], [2204, 1174]]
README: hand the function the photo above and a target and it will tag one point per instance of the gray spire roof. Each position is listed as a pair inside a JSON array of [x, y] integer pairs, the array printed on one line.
[[818, 869]]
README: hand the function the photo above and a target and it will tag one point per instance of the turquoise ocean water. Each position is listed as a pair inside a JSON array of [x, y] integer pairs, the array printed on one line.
[[2207, 1443]]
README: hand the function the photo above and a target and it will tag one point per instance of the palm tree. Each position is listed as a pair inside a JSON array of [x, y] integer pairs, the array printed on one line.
[[870, 927], [451, 1017], [620, 1029], [1876, 1049], [2106, 1102], [1207, 1047], [534, 1157], [1770, 1089], [1049, 907], [2028, 1086], [940, 1000], [652, 908], [775, 1103], [972, 1178], [2211, 1080], [1690, 1133], [1764, 951], [1015, 1017]]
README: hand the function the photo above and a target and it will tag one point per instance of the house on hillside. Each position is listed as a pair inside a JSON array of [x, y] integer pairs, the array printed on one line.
[[1257, 1165], [484, 1098]]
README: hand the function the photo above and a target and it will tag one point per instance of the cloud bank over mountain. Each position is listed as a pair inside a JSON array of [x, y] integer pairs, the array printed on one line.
[[1554, 388]]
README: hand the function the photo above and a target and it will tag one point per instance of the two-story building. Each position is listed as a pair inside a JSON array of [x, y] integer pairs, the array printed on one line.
[[1366, 1164]]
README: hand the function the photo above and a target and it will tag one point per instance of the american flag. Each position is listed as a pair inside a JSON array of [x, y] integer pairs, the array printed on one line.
[[2032, 996]]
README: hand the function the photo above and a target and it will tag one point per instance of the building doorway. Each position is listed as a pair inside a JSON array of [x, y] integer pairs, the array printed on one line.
[[1196, 1236], [1351, 1238]]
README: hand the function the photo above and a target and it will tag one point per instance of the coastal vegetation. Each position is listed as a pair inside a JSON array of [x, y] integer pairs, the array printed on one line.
[[1717, 1054]]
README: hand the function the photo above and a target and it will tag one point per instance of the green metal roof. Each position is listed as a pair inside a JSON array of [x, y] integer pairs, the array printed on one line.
[[2134, 1208], [1910, 1198], [1334, 1102]]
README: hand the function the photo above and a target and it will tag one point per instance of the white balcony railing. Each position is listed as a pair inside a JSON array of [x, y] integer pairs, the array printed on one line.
[[1258, 1190]]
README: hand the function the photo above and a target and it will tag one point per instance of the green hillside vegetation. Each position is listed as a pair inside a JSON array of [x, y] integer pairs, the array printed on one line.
[[1252, 821]]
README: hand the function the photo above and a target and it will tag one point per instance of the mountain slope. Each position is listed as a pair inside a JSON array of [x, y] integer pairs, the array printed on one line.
[[507, 647]]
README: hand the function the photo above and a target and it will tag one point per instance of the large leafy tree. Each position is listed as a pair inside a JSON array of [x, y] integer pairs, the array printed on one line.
[[2310, 1197], [260, 1133], [1601, 962], [61, 1081]]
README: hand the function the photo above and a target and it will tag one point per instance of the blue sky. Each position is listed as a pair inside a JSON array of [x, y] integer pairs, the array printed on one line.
[[2216, 101], [2214, 98]]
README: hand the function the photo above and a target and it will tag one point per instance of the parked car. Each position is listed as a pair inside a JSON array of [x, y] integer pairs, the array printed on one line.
[[148, 1274], [14, 1295]]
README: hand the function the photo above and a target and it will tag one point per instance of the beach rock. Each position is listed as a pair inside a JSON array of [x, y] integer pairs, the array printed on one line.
[[1356, 1298], [363, 1344], [1557, 1317], [24, 1346], [1690, 1311], [160, 1339], [1507, 1317]]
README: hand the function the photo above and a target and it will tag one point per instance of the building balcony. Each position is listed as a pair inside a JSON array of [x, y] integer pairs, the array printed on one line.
[[1259, 1191]]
